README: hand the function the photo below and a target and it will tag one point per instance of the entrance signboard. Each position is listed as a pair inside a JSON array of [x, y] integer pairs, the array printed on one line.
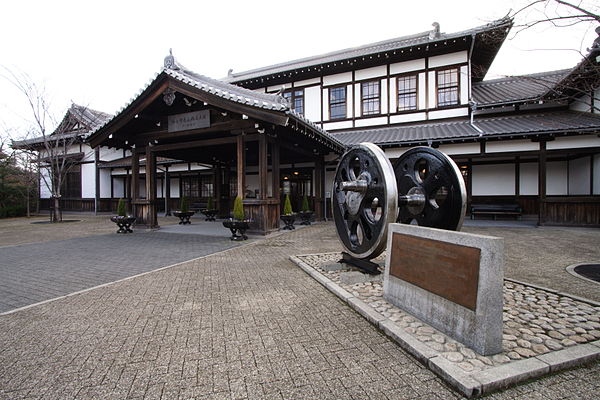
[[189, 121]]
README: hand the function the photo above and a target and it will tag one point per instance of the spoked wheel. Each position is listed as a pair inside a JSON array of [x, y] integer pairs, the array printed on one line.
[[365, 200], [431, 189]]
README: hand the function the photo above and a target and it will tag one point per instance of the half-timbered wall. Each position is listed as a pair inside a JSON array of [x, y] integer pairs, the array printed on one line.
[[317, 93]]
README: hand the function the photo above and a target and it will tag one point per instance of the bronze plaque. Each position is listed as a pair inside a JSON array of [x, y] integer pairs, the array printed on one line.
[[446, 269]]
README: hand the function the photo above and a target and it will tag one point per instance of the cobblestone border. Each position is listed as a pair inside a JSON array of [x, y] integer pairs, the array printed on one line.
[[478, 382]]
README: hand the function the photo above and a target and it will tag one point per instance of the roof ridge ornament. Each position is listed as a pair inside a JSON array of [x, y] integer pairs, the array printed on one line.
[[435, 32], [170, 61]]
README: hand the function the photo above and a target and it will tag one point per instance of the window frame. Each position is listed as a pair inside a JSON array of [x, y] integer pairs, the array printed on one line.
[[416, 92], [456, 86], [362, 98], [293, 96], [345, 102]]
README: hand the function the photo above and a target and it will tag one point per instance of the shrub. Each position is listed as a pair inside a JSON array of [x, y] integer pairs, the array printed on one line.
[[287, 205], [184, 206], [305, 206], [122, 208], [238, 209], [209, 203], [12, 211]]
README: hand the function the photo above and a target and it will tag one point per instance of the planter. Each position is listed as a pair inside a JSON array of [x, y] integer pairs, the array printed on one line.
[[238, 228], [184, 217], [288, 220], [209, 214], [305, 216], [124, 223]]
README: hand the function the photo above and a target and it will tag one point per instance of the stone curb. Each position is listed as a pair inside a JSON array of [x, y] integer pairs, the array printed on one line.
[[477, 383]]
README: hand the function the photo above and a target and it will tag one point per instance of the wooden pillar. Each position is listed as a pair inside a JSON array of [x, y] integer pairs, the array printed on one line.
[[319, 187], [167, 191], [241, 162], [151, 217], [97, 188], [275, 170], [262, 167], [135, 185], [542, 184]]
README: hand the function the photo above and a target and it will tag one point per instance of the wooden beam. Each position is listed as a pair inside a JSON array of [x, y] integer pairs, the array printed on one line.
[[135, 108], [275, 169], [216, 127], [194, 143], [241, 163]]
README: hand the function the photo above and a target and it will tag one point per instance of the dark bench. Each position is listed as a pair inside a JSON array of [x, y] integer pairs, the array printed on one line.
[[197, 207], [496, 209]]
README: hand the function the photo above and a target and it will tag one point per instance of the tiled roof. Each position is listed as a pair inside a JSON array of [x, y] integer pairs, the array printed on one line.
[[516, 88], [126, 162], [365, 50], [511, 125]]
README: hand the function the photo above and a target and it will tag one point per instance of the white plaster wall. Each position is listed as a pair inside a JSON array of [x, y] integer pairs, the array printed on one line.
[[454, 112], [493, 180], [325, 103], [104, 183], [107, 154], [384, 96], [422, 94], [395, 152], [448, 59], [337, 125], [119, 171], [511, 145], [45, 192], [357, 105], [368, 73], [312, 103], [556, 178], [582, 103], [396, 119], [174, 187], [349, 96], [393, 95], [579, 176], [277, 88], [528, 179], [370, 121], [460, 148], [337, 79], [178, 167], [407, 66], [312, 81], [431, 90], [119, 187], [570, 142], [596, 174], [464, 85], [88, 152], [88, 181]]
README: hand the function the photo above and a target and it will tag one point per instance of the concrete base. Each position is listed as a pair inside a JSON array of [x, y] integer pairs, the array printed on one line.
[[481, 329]]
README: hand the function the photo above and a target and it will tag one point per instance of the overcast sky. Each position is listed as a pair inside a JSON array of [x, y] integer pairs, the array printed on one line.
[[101, 53]]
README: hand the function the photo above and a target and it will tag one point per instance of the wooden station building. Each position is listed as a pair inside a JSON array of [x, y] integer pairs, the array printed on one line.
[[533, 140]]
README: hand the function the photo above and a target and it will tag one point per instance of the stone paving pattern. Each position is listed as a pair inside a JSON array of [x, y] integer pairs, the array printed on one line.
[[35, 272], [535, 321], [242, 324]]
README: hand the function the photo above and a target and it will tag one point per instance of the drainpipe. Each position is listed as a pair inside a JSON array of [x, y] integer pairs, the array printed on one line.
[[472, 104]]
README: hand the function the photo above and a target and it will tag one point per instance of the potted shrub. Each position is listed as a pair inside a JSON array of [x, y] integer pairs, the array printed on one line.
[[238, 224], [210, 211], [123, 220], [184, 212], [306, 213], [288, 217]]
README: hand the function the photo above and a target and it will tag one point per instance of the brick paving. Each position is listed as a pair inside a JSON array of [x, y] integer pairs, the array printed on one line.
[[242, 324], [31, 273]]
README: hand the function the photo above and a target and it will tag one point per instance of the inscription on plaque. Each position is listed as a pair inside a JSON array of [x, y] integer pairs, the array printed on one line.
[[445, 269], [189, 121]]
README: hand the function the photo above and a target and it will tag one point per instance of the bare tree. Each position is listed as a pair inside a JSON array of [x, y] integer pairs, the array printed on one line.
[[559, 13], [54, 157]]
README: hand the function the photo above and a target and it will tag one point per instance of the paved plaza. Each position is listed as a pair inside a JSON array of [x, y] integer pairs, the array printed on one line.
[[246, 323]]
